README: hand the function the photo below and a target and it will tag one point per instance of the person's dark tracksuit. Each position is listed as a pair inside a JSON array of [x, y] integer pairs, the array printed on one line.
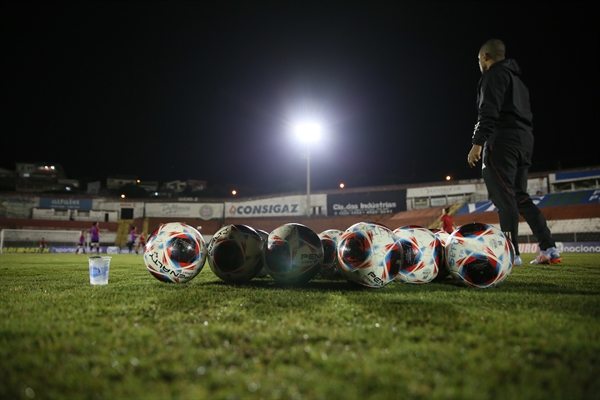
[[504, 129]]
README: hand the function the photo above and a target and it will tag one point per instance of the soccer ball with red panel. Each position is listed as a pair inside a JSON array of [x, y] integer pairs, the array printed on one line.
[[175, 253], [479, 255], [422, 254], [442, 237], [369, 254], [330, 239], [294, 254], [235, 253], [264, 235]]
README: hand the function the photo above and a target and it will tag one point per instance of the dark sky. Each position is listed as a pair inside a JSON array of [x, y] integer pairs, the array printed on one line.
[[211, 90]]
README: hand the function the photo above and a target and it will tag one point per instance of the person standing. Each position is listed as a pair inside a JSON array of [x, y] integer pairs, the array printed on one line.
[[446, 221], [95, 237], [42, 245], [131, 238], [141, 244], [81, 243], [503, 141]]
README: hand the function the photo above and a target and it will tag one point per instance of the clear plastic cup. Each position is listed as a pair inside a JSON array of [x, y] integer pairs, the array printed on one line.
[[99, 267]]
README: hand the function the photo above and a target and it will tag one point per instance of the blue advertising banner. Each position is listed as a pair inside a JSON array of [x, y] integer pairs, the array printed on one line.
[[361, 203], [562, 247], [547, 200], [569, 176], [61, 204]]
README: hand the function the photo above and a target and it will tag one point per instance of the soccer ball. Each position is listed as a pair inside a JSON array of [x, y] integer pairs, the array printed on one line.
[[235, 253], [330, 239], [442, 237], [421, 254], [175, 253], [369, 254], [264, 235], [479, 255], [294, 254]]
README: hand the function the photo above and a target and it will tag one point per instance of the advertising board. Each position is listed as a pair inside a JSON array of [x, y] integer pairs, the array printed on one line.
[[364, 203]]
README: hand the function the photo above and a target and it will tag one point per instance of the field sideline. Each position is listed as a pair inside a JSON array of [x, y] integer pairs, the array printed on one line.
[[537, 336]]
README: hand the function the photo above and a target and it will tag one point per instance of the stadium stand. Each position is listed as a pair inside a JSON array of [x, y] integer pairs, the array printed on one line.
[[573, 215], [577, 219]]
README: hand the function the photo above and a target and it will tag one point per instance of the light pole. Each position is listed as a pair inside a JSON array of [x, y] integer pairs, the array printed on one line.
[[309, 133]]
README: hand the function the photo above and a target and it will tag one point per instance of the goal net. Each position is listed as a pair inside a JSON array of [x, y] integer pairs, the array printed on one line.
[[29, 239]]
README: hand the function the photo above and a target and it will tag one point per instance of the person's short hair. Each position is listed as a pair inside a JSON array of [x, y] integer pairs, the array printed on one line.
[[447, 209], [495, 48]]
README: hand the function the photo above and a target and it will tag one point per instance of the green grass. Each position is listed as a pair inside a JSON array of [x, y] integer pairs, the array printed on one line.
[[537, 336]]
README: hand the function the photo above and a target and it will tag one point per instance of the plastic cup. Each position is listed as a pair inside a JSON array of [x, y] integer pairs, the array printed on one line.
[[99, 267]]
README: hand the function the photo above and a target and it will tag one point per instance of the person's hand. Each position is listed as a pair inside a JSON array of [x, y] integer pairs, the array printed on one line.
[[474, 155]]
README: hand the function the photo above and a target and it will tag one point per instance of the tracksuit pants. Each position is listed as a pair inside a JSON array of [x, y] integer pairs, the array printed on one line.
[[504, 172]]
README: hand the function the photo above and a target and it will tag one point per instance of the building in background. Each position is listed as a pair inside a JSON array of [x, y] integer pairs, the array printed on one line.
[[42, 177], [118, 181]]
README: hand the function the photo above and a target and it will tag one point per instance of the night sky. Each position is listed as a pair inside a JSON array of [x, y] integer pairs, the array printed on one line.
[[212, 90]]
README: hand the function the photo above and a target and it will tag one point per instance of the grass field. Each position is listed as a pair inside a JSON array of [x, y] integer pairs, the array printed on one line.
[[537, 336]]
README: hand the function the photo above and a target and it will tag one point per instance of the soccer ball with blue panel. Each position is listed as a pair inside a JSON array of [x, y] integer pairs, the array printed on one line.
[[442, 236], [369, 254], [235, 253], [422, 252], [264, 235], [330, 239], [294, 254], [175, 253], [479, 255]]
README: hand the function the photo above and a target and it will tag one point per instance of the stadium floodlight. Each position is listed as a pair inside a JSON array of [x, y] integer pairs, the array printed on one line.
[[308, 132]]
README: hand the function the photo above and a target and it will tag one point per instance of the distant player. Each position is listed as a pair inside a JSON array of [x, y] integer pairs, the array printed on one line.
[[131, 239], [446, 221], [81, 243], [141, 243], [42, 245], [95, 237]]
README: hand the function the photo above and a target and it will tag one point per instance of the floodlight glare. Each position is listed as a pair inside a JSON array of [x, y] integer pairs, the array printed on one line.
[[308, 132]]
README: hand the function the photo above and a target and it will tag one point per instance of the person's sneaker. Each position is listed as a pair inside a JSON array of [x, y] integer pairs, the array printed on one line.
[[518, 262], [548, 256]]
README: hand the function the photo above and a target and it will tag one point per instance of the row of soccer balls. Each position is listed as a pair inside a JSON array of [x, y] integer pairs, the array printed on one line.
[[366, 253]]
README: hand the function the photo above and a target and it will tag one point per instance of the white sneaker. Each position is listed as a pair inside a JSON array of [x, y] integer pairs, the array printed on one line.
[[548, 256], [517, 262]]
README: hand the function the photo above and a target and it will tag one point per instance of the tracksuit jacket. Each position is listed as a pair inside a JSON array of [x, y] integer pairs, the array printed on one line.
[[505, 116]]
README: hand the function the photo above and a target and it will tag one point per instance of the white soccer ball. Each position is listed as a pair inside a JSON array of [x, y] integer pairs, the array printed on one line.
[[421, 254], [369, 254], [235, 253], [330, 239], [264, 235], [294, 254], [175, 253], [479, 255], [442, 236]]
